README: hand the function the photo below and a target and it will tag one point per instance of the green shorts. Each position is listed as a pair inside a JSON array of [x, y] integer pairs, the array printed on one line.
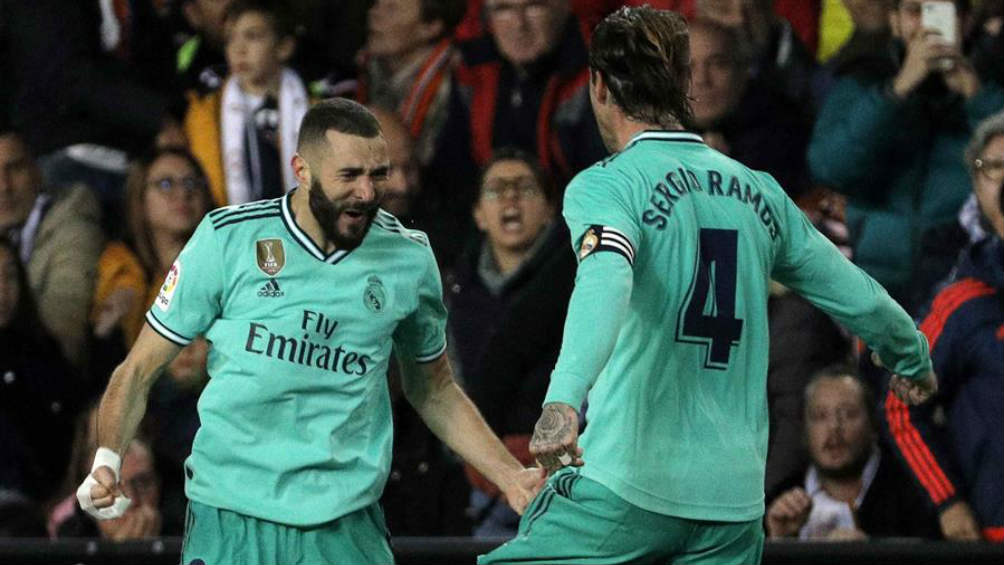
[[216, 536], [575, 519]]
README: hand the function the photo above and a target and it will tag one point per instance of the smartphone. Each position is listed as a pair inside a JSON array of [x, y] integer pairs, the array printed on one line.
[[940, 17]]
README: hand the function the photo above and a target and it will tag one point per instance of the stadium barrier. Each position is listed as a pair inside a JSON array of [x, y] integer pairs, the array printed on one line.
[[449, 550]]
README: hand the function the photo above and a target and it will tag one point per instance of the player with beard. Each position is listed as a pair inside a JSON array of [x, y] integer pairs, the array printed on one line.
[[850, 490], [303, 298]]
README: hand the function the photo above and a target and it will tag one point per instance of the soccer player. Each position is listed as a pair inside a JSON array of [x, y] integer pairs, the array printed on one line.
[[302, 298], [667, 327]]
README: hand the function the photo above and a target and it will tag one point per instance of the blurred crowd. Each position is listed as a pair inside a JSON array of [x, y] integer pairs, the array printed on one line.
[[122, 122]]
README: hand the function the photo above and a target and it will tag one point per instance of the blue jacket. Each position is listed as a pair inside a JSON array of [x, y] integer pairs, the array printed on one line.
[[961, 456]]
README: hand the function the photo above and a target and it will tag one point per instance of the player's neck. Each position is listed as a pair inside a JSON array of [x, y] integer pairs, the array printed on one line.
[[625, 129], [305, 220]]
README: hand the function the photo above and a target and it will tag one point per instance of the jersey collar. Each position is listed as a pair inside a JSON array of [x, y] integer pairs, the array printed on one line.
[[657, 135], [303, 239]]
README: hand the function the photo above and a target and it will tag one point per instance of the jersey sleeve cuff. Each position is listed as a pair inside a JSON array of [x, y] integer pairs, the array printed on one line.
[[166, 332], [432, 356], [566, 389]]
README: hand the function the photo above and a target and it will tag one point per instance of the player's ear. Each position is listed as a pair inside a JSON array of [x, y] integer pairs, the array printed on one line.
[[598, 86], [301, 170]]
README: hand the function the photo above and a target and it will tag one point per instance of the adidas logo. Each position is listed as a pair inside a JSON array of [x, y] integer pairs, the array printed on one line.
[[271, 289]]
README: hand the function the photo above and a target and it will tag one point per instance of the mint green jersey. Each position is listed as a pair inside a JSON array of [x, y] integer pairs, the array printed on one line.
[[677, 413], [296, 421]]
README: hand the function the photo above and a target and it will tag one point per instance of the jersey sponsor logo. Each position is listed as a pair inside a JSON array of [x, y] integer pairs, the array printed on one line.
[[311, 348], [166, 293], [375, 297], [271, 256], [271, 290]]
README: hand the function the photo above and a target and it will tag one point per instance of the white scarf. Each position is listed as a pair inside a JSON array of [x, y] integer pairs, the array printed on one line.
[[236, 109], [829, 514]]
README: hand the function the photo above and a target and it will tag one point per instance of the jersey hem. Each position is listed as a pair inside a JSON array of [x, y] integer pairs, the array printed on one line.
[[691, 511]]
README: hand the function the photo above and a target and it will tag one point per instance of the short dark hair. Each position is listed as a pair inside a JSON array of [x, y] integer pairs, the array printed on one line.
[[510, 153], [340, 114], [643, 54], [450, 12], [837, 371], [277, 12]]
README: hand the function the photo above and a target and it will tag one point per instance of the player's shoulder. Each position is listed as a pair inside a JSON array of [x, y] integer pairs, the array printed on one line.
[[389, 227], [244, 215]]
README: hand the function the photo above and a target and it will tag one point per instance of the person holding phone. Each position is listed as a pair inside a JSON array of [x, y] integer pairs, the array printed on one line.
[[897, 154]]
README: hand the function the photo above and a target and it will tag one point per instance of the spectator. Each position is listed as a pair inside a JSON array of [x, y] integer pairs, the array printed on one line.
[[38, 390], [77, 108], [403, 186], [58, 236], [507, 302], [201, 65], [166, 197], [896, 157], [850, 491], [408, 64], [244, 133], [741, 117], [958, 457], [867, 46], [524, 85], [140, 482], [779, 61]]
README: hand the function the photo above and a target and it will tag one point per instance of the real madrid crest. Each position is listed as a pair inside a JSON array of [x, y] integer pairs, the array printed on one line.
[[589, 242], [375, 297], [271, 256]]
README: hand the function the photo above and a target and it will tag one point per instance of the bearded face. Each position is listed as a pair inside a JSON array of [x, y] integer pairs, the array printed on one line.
[[344, 223]]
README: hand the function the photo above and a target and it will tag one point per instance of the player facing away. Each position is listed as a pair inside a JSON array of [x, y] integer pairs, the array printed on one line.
[[302, 298], [667, 327]]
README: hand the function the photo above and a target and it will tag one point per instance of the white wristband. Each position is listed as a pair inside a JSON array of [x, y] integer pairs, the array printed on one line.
[[107, 458], [103, 458]]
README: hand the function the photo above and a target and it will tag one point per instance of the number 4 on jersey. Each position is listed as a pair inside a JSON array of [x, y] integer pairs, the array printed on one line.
[[708, 315]]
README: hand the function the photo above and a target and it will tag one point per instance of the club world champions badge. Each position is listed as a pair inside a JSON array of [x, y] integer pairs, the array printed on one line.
[[374, 297], [271, 256]]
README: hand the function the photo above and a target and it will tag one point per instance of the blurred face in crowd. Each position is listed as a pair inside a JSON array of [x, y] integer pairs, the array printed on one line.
[[730, 13], [19, 181], [10, 289], [175, 196], [512, 209], [347, 180], [396, 28], [403, 183], [840, 433], [987, 181], [717, 82], [206, 16], [868, 15], [905, 19], [255, 53], [525, 30]]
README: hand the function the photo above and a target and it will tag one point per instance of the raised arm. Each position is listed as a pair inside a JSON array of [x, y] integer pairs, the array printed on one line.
[[431, 389], [122, 407]]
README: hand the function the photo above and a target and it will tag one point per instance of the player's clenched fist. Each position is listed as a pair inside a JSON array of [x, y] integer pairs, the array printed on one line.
[[788, 513], [100, 494], [555, 442]]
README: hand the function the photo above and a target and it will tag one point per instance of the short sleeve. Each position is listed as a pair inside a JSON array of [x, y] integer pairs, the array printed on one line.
[[421, 335], [599, 215], [191, 297]]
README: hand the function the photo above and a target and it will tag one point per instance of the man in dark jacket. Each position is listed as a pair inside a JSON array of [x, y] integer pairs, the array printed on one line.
[[508, 299], [958, 457], [851, 490]]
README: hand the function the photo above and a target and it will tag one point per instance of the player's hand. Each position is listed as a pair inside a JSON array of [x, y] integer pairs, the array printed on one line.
[[555, 442], [788, 513], [911, 391], [525, 486], [100, 495], [958, 523]]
